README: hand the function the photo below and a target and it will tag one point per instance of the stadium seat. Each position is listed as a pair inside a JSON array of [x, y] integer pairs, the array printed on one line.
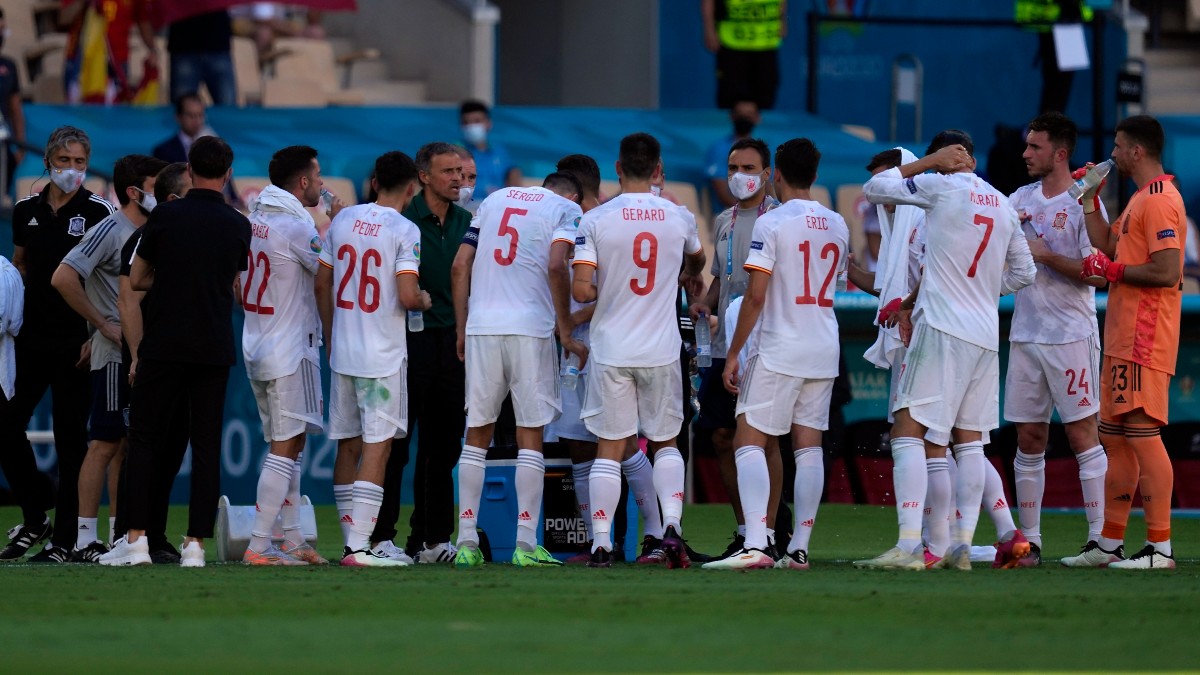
[[247, 70], [848, 197], [26, 45], [313, 60], [292, 93]]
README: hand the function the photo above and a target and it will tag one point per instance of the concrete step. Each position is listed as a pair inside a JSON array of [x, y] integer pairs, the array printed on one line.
[[1173, 79], [1175, 103], [395, 92], [368, 72], [342, 45], [1168, 58]]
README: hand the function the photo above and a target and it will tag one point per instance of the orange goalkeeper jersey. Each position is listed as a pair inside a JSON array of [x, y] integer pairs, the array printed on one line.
[[1142, 324]]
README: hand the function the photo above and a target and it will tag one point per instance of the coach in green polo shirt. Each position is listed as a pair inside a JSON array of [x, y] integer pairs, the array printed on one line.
[[436, 379]]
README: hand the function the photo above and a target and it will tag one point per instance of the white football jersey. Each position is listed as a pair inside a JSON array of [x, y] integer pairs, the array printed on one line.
[[1054, 309], [802, 245], [512, 233], [974, 250], [282, 324], [637, 242], [368, 246]]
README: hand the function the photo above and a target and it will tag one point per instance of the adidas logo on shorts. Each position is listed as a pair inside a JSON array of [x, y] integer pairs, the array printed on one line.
[[1084, 403], [1120, 398]]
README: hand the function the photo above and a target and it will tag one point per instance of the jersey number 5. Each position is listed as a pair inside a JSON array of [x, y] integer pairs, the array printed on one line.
[[647, 262], [366, 282], [257, 307], [507, 231]]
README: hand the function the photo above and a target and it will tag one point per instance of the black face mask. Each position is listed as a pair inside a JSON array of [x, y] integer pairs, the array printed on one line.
[[742, 126]]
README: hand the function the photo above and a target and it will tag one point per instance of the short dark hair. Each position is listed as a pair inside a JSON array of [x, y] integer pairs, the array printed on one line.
[[473, 105], [210, 157], [640, 154], [585, 170], [170, 181], [430, 150], [563, 183], [797, 160], [889, 158], [1058, 128], [756, 143], [464, 153], [1145, 131], [951, 137], [132, 171], [184, 98], [394, 169], [288, 164]]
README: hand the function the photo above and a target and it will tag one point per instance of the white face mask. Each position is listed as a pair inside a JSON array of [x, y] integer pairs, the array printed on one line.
[[464, 195], [67, 180], [744, 185], [475, 133], [148, 201]]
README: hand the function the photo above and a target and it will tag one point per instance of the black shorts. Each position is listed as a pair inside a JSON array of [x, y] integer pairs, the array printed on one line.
[[717, 405], [747, 76], [110, 403]]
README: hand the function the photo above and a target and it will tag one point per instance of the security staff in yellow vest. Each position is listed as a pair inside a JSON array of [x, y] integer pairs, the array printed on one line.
[[1056, 84], [745, 35]]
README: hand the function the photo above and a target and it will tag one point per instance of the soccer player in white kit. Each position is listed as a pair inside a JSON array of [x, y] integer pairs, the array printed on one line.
[[507, 302], [949, 381], [796, 252], [281, 346], [634, 247], [372, 254], [1054, 358]]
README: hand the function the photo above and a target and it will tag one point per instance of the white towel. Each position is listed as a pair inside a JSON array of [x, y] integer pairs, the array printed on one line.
[[891, 271], [12, 313], [277, 199]]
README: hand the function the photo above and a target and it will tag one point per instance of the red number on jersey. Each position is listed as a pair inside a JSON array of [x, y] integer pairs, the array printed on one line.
[[821, 299], [648, 262], [506, 231], [257, 307], [987, 235], [365, 279]]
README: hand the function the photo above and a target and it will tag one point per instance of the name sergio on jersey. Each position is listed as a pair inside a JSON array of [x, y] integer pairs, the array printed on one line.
[[522, 196], [656, 215]]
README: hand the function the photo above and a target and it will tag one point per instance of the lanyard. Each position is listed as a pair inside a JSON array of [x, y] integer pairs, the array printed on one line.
[[762, 208]]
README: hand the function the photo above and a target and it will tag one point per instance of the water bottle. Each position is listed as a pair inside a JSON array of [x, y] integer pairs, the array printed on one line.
[[570, 372], [416, 321], [843, 279], [1090, 179], [326, 203], [703, 342]]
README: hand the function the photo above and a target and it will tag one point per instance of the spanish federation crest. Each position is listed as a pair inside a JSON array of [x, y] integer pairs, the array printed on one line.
[[1060, 220], [75, 226]]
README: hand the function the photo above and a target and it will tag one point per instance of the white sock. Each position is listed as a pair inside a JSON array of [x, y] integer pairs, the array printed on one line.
[[86, 532], [1109, 544], [952, 470], [291, 505], [968, 492], [112, 528], [640, 475], [583, 493], [367, 499], [937, 505], [754, 486], [995, 500], [669, 479], [472, 467], [810, 482], [1163, 547], [771, 536], [741, 530], [605, 485], [1030, 470], [910, 480], [530, 481], [1093, 464], [343, 497], [273, 483]]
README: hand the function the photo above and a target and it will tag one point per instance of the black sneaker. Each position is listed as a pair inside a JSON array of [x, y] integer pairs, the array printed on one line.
[[734, 547], [163, 553], [796, 560], [696, 556], [90, 553], [601, 558], [22, 537], [51, 555], [772, 551], [652, 553], [676, 550]]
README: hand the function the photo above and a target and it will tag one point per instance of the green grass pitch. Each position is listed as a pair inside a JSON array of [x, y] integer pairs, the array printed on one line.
[[627, 619]]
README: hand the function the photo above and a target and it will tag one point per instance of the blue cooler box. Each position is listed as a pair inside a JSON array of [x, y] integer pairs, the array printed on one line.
[[560, 529]]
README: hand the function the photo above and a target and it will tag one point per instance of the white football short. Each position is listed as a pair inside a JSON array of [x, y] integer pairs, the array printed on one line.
[[1042, 378], [291, 405], [948, 383], [772, 402], [526, 366], [894, 382], [619, 400], [569, 425], [375, 408]]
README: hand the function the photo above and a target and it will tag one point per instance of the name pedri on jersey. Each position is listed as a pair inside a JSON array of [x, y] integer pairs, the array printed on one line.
[[367, 247]]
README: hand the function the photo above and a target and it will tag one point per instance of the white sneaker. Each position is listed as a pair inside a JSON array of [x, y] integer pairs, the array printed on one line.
[[745, 559], [191, 555], [1091, 555], [442, 553], [1145, 559], [957, 558], [124, 553], [369, 558], [895, 558], [388, 549]]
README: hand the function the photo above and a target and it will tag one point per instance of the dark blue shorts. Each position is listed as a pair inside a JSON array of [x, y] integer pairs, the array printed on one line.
[[110, 403]]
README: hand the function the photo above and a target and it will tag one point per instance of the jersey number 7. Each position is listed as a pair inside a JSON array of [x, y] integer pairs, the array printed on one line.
[[987, 235]]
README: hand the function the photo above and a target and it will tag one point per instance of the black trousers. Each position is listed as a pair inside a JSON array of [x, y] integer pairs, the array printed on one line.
[[158, 390], [43, 364], [166, 467], [747, 76], [436, 398]]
